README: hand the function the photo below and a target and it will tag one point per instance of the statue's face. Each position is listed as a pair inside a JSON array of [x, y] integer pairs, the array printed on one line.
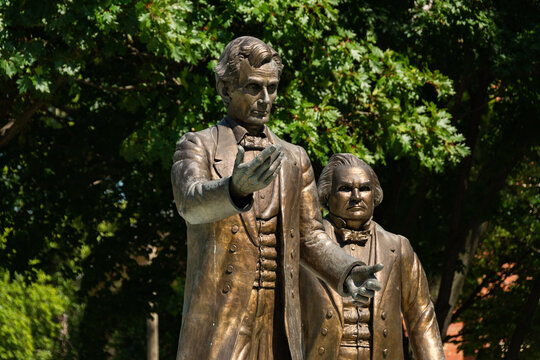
[[352, 196], [252, 99]]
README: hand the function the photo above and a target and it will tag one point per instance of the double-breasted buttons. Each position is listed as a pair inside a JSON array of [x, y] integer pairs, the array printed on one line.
[[383, 315], [321, 350], [324, 331], [234, 229], [329, 314], [385, 353], [230, 269], [233, 248], [226, 288], [385, 332], [292, 233]]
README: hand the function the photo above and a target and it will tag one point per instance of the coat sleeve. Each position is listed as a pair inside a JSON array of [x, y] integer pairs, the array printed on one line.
[[199, 199], [318, 253], [417, 307]]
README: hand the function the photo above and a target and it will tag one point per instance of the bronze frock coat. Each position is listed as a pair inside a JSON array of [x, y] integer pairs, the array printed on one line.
[[222, 252], [404, 290]]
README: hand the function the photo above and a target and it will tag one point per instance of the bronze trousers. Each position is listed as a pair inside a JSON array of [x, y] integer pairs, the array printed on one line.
[[262, 335]]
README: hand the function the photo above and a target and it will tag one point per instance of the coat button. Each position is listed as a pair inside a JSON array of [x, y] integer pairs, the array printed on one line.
[[292, 274], [385, 332], [234, 229], [324, 331], [329, 314], [230, 269], [383, 315], [233, 248], [292, 254], [292, 233], [292, 294], [321, 350], [226, 288], [385, 353], [262, 196]]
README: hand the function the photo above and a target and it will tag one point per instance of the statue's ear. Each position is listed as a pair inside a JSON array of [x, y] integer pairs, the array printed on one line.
[[223, 91]]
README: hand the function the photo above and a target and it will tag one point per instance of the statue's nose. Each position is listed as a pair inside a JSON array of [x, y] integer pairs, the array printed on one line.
[[355, 194], [265, 98]]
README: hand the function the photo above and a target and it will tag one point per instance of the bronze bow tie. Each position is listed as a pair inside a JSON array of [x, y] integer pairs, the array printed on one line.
[[353, 236], [250, 142]]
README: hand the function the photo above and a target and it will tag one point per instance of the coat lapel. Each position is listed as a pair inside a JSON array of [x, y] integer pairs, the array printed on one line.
[[287, 175], [224, 157], [386, 254]]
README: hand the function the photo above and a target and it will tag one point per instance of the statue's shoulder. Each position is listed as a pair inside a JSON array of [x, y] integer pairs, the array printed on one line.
[[387, 236], [283, 143], [208, 135], [392, 240]]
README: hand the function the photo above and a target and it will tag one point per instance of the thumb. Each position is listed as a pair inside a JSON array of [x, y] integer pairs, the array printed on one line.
[[239, 157], [376, 268]]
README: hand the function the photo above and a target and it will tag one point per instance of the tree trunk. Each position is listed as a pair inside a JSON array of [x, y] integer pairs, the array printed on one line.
[[152, 337], [457, 241], [466, 258]]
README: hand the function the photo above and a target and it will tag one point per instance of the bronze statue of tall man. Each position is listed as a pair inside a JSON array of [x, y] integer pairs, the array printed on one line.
[[250, 204]]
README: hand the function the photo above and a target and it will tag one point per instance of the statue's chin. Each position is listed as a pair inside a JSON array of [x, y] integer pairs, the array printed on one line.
[[254, 121]]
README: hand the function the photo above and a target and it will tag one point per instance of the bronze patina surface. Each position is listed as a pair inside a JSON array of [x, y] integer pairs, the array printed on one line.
[[251, 208], [336, 328]]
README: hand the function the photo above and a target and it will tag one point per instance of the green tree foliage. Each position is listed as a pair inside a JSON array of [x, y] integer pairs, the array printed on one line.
[[30, 314], [95, 94]]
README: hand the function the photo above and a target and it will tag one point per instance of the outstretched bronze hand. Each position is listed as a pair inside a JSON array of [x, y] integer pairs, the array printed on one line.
[[256, 174], [361, 283]]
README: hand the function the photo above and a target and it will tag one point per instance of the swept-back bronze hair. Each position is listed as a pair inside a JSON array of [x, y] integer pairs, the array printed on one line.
[[254, 50], [324, 186]]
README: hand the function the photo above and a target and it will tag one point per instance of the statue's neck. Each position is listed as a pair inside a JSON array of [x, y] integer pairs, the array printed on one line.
[[255, 130], [349, 224]]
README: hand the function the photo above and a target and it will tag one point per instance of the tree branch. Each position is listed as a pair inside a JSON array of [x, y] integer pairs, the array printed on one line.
[[13, 127], [105, 87]]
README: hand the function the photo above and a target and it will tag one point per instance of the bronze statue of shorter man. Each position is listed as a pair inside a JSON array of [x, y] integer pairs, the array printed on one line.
[[336, 328]]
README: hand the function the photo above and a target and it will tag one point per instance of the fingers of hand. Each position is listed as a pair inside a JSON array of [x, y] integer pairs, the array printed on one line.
[[373, 284], [261, 162], [263, 167], [263, 156], [267, 176], [360, 300], [360, 273], [350, 286], [366, 271], [376, 268], [363, 291]]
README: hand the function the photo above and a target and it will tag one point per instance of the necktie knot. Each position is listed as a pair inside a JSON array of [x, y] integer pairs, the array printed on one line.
[[250, 142], [349, 236]]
